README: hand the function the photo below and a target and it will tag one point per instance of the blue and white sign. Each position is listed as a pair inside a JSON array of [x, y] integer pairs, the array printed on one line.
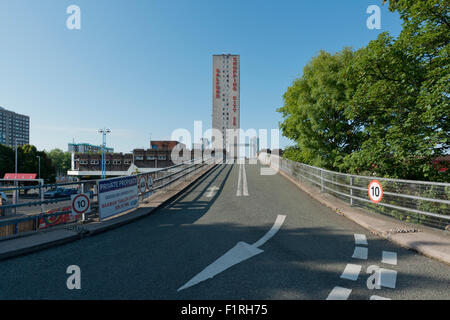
[[117, 195]]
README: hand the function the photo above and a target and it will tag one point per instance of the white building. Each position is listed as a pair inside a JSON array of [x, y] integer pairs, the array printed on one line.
[[226, 100]]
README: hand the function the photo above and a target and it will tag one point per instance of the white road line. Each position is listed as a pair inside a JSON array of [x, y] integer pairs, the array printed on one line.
[[239, 186], [351, 272], [360, 253], [245, 181], [374, 297], [277, 225], [360, 239], [339, 293], [389, 257], [388, 278], [240, 252]]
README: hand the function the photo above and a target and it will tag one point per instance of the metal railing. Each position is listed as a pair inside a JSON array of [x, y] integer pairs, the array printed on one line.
[[413, 201], [57, 212]]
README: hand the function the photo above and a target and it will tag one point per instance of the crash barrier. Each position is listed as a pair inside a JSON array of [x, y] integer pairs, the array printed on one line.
[[102, 198], [413, 201]]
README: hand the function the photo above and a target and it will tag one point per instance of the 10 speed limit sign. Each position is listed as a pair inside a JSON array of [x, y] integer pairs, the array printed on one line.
[[142, 184], [375, 191], [80, 204]]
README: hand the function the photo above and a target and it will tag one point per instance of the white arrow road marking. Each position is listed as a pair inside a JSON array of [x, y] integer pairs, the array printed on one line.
[[339, 293], [212, 191], [276, 226], [240, 252]]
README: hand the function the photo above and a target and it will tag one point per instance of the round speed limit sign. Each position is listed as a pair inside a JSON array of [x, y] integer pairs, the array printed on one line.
[[142, 184], [80, 204], [375, 191]]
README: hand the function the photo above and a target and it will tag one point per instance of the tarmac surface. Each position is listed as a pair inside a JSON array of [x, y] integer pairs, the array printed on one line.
[[235, 234]]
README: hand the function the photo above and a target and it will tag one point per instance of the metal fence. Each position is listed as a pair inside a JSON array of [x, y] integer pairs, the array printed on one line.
[[36, 212], [419, 202]]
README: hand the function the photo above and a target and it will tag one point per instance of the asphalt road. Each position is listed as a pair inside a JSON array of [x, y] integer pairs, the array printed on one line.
[[154, 257]]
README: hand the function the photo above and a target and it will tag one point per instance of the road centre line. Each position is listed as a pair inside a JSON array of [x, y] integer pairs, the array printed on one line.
[[239, 186], [245, 180]]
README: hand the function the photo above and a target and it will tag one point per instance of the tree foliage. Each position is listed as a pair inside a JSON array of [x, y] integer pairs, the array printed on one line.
[[27, 161], [61, 160], [382, 109]]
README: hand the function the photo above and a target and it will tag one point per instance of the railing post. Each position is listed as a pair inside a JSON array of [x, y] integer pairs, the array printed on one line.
[[321, 180], [351, 191], [41, 194], [83, 216]]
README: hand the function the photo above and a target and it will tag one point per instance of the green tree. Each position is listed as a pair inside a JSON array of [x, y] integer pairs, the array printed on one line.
[[6, 160], [27, 161], [314, 112], [61, 160], [402, 97], [382, 109]]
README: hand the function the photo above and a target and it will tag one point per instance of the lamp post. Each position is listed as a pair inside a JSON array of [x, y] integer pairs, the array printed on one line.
[[16, 153], [104, 132], [39, 166]]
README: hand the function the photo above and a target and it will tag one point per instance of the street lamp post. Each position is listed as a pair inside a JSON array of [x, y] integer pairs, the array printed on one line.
[[16, 192], [104, 132], [39, 166], [16, 153]]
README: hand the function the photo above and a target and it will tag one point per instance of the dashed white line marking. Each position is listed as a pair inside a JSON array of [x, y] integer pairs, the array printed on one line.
[[339, 293], [374, 297], [351, 272], [360, 239], [360, 253], [388, 278], [389, 257]]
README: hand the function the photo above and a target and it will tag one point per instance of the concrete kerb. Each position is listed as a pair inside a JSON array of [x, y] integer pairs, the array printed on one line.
[[54, 237], [425, 242]]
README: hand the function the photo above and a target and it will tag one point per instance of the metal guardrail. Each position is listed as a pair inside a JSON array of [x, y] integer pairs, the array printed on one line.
[[413, 201], [162, 178]]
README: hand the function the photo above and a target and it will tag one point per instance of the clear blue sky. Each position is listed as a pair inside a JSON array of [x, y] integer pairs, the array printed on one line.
[[144, 66]]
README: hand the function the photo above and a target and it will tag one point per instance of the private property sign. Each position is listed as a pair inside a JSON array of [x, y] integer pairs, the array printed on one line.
[[117, 195]]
